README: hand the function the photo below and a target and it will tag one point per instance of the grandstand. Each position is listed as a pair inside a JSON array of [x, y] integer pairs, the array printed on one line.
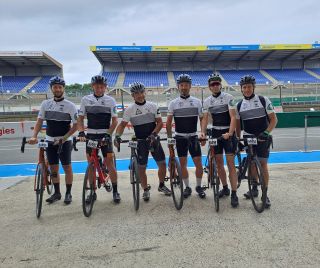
[[158, 66], [26, 72]]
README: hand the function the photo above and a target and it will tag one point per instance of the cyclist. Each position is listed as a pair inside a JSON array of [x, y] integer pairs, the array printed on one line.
[[101, 113], [259, 119], [222, 107], [58, 113], [186, 110], [147, 123]]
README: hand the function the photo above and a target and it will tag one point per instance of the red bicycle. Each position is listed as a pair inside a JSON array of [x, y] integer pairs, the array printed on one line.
[[96, 175]]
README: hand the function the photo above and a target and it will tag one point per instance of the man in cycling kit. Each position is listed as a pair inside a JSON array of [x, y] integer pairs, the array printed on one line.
[[222, 107], [258, 118], [102, 119], [186, 110], [147, 123], [58, 113]]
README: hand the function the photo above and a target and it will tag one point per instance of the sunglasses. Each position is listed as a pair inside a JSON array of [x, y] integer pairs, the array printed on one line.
[[214, 84]]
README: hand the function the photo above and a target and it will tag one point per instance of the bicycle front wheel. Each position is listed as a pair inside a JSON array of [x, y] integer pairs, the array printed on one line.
[[88, 191], [176, 182], [215, 183], [256, 183], [39, 188], [135, 182]]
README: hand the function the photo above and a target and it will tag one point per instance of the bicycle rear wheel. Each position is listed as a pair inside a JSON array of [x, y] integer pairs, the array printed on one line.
[[176, 183], [257, 182], [215, 183], [39, 188], [88, 190], [49, 182], [135, 182]]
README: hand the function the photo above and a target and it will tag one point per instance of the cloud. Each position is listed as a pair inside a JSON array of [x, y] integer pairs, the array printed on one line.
[[66, 29]]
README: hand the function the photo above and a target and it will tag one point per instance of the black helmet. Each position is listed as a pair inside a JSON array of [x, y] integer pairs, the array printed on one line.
[[184, 78], [214, 78], [98, 79], [247, 79], [56, 80], [137, 87]]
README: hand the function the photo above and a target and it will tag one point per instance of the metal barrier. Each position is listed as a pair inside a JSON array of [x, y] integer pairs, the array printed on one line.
[[306, 117]]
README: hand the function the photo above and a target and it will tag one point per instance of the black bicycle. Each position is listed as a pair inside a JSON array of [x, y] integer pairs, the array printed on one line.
[[250, 169], [175, 176], [42, 178], [210, 168]]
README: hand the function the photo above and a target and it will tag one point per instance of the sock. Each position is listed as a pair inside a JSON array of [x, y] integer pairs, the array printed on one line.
[[199, 181], [68, 186], [225, 187], [233, 193], [161, 184], [56, 188], [114, 187], [186, 182]]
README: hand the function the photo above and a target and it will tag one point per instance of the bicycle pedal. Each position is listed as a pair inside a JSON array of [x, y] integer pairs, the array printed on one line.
[[166, 178], [108, 187]]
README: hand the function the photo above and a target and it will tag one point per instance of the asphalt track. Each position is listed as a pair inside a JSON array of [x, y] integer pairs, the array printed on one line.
[[287, 235]]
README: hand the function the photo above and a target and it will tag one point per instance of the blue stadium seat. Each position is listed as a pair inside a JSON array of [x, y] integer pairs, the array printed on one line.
[[41, 86], [112, 78], [292, 75], [149, 79], [198, 77], [316, 70], [15, 83], [233, 76]]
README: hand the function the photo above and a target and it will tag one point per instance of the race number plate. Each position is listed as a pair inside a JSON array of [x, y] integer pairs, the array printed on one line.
[[213, 142], [92, 144], [171, 141], [252, 141], [133, 144], [42, 144]]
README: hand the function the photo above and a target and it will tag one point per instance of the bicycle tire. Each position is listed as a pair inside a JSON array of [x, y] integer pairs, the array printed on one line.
[[135, 182], [257, 202], [176, 183], [39, 189], [88, 191]]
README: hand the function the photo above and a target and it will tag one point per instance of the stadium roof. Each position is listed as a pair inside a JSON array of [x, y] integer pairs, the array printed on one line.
[[26, 58], [208, 53]]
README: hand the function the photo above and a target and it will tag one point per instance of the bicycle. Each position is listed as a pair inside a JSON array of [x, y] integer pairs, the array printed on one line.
[[133, 167], [255, 179], [42, 179], [95, 167], [175, 175], [210, 168]]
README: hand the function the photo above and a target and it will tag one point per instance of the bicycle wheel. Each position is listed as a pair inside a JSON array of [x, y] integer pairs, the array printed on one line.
[[215, 182], [135, 181], [176, 183], [88, 190], [257, 182], [39, 189], [49, 182]]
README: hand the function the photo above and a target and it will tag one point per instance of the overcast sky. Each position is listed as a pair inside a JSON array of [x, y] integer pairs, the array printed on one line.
[[65, 29]]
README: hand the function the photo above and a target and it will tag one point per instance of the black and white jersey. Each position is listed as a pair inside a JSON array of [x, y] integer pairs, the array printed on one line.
[[99, 111], [219, 108], [186, 112], [142, 117], [58, 115], [254, 115]]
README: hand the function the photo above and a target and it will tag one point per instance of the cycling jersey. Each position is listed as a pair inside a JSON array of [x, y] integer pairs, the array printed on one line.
[[142, 117], [99, 111], [254, 115], [219, 108], [185, 112], [58, 115]]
